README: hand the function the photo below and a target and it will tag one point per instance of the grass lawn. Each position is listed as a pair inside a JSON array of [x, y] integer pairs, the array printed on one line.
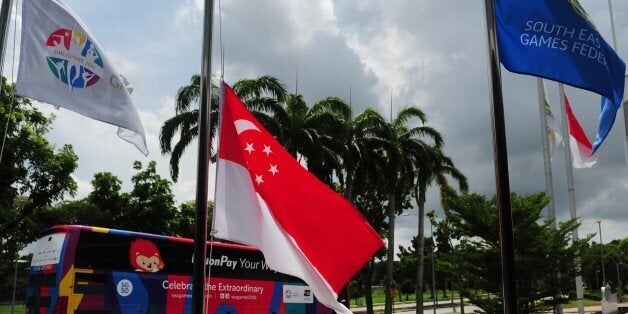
[[587, 302], [6, 309], [379, 297]]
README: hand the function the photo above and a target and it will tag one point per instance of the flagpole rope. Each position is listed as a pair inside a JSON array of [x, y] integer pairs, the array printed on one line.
[[222, 77], [6, 127], [222, 47]]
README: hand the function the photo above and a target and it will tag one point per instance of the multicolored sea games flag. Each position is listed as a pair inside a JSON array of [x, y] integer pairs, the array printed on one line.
[[553, 131], [556, 39], [62, 64], [581, 148], [266, 199], [554, 138]]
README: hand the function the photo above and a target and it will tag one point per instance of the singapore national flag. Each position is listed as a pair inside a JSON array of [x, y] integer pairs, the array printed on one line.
[[579, 143], [266, 199]]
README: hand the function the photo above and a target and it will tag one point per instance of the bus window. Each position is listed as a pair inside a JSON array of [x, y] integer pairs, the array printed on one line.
[[42, 281]]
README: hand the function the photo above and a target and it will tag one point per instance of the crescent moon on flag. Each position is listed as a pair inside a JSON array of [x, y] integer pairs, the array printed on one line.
[[242, 125]]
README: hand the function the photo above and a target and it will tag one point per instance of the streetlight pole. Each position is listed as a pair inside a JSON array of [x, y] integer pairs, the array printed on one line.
[[435, 299], [619, 283], [14, 286], [597, 281], [599, 224]]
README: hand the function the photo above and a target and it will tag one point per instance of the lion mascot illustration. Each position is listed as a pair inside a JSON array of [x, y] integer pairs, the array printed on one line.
[[145, 256]]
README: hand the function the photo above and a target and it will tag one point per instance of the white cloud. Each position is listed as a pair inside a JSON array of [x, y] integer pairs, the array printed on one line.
[[190, 13], [431, 53], [84, 187]]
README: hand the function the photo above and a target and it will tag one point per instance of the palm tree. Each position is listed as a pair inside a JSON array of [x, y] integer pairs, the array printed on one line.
[[432, 167], [359, 146], [307, 133], [262, 93], [405, 145]]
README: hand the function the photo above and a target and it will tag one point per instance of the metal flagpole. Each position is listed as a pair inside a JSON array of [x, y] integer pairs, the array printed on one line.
[[506, 238], [4, 24], [202, 175], [571, 191], [610, 11], [435, 296], [549, 185], [599, 224]]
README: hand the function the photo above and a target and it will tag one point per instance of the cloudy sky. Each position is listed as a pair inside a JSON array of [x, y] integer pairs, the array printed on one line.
[[426, 53]]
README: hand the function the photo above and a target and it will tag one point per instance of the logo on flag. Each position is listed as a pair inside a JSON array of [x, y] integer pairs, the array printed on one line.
[[55, 40], [73, 58]]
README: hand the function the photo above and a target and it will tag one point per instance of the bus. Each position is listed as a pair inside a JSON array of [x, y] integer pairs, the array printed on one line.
[[83, 269]]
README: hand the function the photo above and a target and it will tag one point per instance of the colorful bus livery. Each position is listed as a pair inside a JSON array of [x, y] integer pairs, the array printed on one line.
[[80, 269]]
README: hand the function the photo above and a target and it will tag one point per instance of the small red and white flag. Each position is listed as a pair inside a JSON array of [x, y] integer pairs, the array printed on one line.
[[266, 199], [578, 142]]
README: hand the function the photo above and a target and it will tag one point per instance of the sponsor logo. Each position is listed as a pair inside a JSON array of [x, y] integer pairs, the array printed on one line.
[[124, 287], [73, 58]]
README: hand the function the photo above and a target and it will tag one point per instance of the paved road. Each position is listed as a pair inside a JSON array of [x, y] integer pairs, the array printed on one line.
[[409, 308], [443, 310]]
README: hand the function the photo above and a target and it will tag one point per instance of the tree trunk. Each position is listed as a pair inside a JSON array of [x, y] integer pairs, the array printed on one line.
[[366, 278], [349, 188], [419, 196], [390, 254]]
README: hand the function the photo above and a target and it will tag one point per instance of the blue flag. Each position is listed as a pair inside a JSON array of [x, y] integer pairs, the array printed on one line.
[[556, 39], [608, 111]]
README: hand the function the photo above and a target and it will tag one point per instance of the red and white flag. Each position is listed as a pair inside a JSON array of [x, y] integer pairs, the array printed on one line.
[[266, 199], [578, 142]]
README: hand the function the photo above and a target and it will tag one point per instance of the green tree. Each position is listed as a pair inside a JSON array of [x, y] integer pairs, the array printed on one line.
[[359, 146], [184, 221], [30, 166], [74, 212], [370, 200], [264, 92], [308, 133], [151, 202], [408, 255], [404, 145], [33, 174], [106, 195], [432, 167], [540, 252], [615, 264]]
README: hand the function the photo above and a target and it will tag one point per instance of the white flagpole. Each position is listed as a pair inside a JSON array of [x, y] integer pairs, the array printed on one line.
[[571, 191], [610, 11], [4, 27], [549, 185]]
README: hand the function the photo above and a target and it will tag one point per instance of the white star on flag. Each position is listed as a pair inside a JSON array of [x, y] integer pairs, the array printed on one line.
[[273, 169], [267, 150], [258, 179], [249, 148]]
